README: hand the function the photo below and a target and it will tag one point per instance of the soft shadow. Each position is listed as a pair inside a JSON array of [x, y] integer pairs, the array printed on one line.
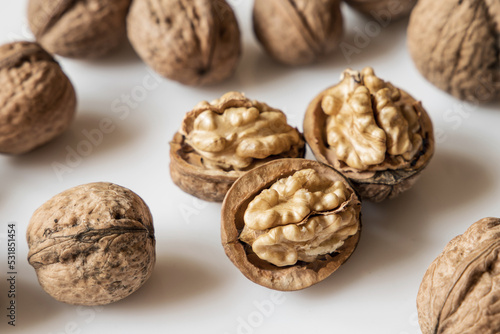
[[175, 280], [124, 55], [34, 306], [393, 231], [72, 140]]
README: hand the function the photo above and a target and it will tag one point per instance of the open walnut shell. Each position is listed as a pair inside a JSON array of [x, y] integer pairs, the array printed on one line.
[[220, 141], [375, 134], [292, 254], [459, 292]]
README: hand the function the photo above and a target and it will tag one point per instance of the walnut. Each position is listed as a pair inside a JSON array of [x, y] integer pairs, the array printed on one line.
[[389, 9], [220, 141], [290, 223], [375, 134], [298, 32], [456, 46], [37, 100], [194, 42], [78, 28], [92, 244], [459, 292]]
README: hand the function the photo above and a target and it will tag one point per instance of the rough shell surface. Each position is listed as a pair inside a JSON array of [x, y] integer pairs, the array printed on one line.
[[383, 181], [37, 100], [186, 165], [387, 10], [296, 277], [194, 42], [460, 291], [78, 28], [456, 46], [298, 32], [92, 244]]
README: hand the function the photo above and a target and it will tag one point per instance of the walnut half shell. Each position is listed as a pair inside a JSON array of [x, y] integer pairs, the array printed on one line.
[[220, 141], [460, 290], [375, 134], [92, 244], [290, 223]]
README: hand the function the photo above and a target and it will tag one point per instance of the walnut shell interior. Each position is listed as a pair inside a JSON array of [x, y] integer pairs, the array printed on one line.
[[460, 290], [395, 173], [207, 170], [286, 278]]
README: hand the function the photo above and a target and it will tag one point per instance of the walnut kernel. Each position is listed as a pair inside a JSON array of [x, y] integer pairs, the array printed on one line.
[[290, 223], [374, 133], [220, 141]]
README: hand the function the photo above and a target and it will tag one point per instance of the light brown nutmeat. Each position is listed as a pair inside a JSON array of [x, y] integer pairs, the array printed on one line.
[[298, 32], [220, 141], [290, 223], [375, 134], [78, 28], [386, 10], [92, 244], [193, 42], [37, 100], [456, 46], [460, 290]]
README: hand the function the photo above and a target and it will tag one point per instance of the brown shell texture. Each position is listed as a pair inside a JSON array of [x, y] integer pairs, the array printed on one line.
[[298, 32], [78, 28], [460, 290], [290, 278], [373, 185], [193, 42], [186, 166], [387, 9], [92, 244], [37, 100], [456, 46]]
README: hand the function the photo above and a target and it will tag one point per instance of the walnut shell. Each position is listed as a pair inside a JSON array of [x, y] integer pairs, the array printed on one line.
[[37, 99], [298, 32], [286, 278], [78, 28], [455, 45], [92, 244], [389, 10], [192, 42], [392, 113], [459, 292], [202, 173]]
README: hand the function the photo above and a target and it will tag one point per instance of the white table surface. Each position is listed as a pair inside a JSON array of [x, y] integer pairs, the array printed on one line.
[[194, 287]]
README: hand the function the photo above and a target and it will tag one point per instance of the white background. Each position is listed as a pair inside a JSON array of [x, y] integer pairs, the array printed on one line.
[[194, 287]]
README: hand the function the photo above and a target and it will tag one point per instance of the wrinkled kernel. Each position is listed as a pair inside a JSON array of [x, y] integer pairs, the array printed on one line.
[[235, 138], [299, 218], [369, 119]]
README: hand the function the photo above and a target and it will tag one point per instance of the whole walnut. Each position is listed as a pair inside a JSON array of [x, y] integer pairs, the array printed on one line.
[[78, 28], [455, 45], [374, 133], [37, 100], [193, 42], [460, 290], [389, 10], [298, 32], [92, 244]]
